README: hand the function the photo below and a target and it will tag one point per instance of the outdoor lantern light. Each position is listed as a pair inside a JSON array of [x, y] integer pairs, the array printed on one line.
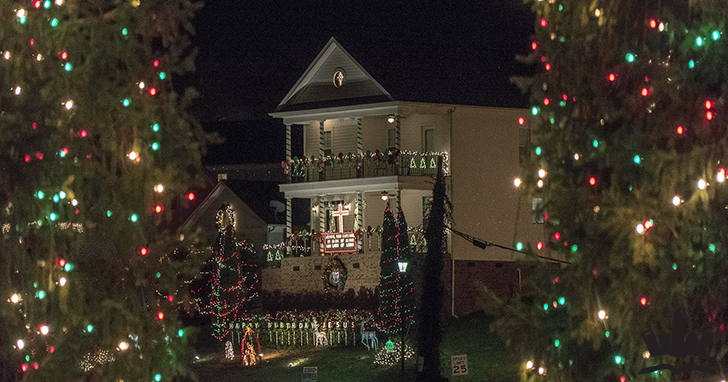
[[390, 118], [385, 195], [402, 266]]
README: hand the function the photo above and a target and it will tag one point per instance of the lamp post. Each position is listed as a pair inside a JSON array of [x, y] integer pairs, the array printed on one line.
[[402, 264]]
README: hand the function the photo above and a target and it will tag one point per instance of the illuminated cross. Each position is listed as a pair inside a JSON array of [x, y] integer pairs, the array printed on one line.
[[340, 214]]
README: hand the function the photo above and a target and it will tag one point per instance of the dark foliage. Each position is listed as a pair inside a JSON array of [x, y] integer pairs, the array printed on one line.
[[275, 301]]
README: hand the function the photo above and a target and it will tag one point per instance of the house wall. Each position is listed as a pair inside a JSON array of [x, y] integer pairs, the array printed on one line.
[[483, 164]]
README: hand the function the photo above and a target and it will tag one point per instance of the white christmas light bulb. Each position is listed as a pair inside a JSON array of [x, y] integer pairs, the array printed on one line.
[[132, 155], [540, 183], [159, 188], [7, 55], [62, 281], [517, 182], [44, 330], [17, 90], [69, 104], [15, 298], [602, 314], [541, 173], [640, 229], [701, 184], [21, 344], [676, 200]]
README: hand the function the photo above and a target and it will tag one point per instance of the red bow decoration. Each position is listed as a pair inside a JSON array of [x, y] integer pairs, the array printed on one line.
[[341, 158], [286, 167]]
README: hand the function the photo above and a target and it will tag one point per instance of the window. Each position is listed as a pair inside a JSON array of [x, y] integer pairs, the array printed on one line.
[[537, 209], [391, 138], [426, 206], [327, 143], [524, 141], [428, 139]]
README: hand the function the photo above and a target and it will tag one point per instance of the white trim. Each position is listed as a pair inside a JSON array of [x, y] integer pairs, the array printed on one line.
[[376, 184]]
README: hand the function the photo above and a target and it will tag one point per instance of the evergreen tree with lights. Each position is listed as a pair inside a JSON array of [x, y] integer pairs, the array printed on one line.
[[395, 288], [233, 285], [631, 115], [94, 145]]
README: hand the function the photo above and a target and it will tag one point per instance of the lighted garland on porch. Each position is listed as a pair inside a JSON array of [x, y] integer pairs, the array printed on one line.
[[296, 166]]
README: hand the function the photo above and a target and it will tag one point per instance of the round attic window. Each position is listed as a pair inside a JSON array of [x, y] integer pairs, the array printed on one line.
[[339, 77]]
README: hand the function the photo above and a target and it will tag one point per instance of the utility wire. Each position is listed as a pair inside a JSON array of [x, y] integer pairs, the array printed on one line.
[[483, 244]]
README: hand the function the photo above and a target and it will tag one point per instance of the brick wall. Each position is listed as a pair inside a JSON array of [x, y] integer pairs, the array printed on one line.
[[501, 277], [299, 274]]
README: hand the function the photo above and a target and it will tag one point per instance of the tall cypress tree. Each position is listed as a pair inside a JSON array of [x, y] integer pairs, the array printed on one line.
[[430, 329], [395, 288], [94, 148], [630, 113]]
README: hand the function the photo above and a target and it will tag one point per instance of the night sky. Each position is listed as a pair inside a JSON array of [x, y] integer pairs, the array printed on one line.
[[252, 52]]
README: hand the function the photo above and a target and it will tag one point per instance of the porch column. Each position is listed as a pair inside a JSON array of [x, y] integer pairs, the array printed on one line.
[[321, 139], [399, 199], [359, 219], [288, 141], [321, 216], [397, 133], [289, 222], [359, 144]]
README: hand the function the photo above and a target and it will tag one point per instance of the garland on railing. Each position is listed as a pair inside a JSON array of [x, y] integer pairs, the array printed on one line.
[[278, 251], [295, 165]]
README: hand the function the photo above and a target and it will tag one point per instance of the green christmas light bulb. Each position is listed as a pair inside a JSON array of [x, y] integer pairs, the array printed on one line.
[[691, 64], [41, 294], [89, 328], [158, 377], [637, 159], [134, 218], [545, 306], [538, 150], [519, 246], [162, 75], [40, 195], [715, 35], [126, 102], [54, 23], [125, 31], [711, 247], [618, 360], [562, 300], [630, 57], [574, 248], [155, 146], [699, 41], [68, 66], [47, 4], [155, 127], [180, 333], [108, 213], [534, 110], [557, 343], [595, 143], [53, 216]]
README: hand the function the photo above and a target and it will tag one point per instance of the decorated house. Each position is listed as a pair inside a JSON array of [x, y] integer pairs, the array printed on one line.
[[364, 147]]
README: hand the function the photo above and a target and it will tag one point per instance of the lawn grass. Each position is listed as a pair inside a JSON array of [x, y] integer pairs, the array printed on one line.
[[488, 360]]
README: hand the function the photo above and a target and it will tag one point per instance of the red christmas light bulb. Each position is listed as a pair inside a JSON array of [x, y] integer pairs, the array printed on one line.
[[557, 236], [190, 196], [534, 45], [158, 208], [643, 301], [592, 181], [160, 315], [680, 130], [653, 23], [612, 77], [143, 251], [521, 121], [544, 23]]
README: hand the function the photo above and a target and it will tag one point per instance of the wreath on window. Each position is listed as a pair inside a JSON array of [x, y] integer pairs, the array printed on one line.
[[334, 276]]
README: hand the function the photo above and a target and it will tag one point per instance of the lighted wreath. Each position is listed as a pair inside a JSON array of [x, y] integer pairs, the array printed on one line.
[[334, 276]]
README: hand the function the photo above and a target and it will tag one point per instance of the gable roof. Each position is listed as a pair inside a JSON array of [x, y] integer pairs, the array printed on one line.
[[316, 87], [443, 72]]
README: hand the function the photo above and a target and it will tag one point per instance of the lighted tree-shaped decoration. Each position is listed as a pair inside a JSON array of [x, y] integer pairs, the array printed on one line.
[[94, 144], [233, 285], [630, 108], [396, 303]]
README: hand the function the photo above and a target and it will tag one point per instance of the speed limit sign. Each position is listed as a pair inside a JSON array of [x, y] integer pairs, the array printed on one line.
[[459, 364]]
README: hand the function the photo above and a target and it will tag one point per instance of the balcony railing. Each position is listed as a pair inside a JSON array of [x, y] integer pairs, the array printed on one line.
[[366, 165]]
